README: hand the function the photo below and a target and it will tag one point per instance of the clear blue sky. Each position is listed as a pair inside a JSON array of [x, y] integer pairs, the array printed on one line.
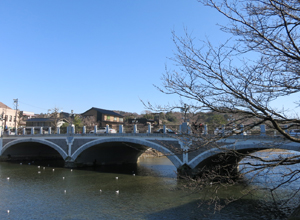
[[78, 54]]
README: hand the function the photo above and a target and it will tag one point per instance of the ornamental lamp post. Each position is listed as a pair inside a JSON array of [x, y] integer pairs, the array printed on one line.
[[134, 121], [2, 127], [71, 117], [16, 103]]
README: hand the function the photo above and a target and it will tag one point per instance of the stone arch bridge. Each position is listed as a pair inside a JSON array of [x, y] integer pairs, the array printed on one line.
[[103, 149]]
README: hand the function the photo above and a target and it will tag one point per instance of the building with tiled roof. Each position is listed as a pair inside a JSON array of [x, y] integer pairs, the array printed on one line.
[[44, 122], [105, 117]]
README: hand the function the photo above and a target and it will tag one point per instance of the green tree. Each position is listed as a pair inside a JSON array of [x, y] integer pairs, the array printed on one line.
[[171, 117], [216, 119], [77, 121], [149, 116]]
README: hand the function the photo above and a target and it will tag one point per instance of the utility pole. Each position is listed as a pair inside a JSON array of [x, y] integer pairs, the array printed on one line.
[[2, 126], [16, 103]]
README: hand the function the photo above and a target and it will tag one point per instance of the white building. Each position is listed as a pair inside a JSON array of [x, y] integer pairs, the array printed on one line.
[[8, 117]]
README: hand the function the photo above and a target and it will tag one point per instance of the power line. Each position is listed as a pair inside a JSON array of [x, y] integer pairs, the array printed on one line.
[[33, 106]]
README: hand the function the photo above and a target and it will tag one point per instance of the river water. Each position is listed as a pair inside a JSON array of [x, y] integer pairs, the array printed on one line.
[[154, 192]]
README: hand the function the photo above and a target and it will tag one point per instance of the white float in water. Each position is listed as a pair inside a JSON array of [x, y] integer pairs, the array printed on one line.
[[100, 190], [8, 211], [44, 168], [7, 178], [133, 174], [39, 172], [63, 178], [53, 170], [117, 191], [71, 170], [65, 191], [39, 167], [117, 178], [20, 163]]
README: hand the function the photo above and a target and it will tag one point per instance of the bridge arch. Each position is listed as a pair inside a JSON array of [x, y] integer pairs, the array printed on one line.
[[32, 140], [240, 147], [171, 156]]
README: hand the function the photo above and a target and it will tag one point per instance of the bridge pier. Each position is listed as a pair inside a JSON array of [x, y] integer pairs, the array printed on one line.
[[184, 171], [70, 164], [213, 173]]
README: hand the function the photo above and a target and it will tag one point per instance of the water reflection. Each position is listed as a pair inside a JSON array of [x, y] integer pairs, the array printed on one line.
[[272, 176], [91, 194], [269, 181]]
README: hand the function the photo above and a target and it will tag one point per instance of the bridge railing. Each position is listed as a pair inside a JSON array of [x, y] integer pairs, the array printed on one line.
[[132, 128], [144, 129]]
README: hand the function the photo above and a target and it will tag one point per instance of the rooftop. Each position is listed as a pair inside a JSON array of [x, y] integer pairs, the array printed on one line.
[[4, 106], [104, 111]]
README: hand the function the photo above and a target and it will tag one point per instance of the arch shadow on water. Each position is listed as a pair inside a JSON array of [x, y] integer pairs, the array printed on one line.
[[119, 156], [122, 150], [36, 151]]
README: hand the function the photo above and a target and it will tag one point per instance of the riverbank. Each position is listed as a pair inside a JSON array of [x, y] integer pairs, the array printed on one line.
[[151, 153]]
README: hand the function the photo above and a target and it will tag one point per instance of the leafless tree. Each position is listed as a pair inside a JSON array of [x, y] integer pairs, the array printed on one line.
[[55, 116], [89, 122], [224, 79], [243, 75]]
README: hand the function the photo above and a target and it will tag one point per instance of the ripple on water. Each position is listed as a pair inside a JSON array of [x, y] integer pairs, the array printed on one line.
[[29, 195]]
